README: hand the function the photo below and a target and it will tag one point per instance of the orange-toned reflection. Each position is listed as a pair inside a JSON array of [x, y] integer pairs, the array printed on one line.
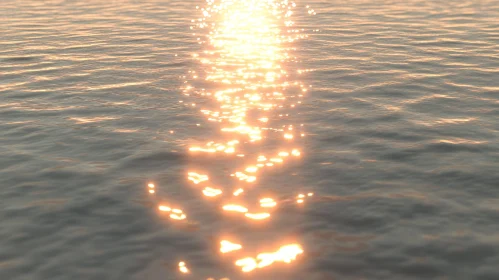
[[227, 246], [175, 214], [235, 208], [257, 216], [182, 268], [285, 254], [247, 47]]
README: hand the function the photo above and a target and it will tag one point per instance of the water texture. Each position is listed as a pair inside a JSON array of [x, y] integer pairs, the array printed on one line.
[[400, 146]]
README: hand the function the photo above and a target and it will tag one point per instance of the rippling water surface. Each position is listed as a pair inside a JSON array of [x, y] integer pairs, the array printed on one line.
[[249, 139]]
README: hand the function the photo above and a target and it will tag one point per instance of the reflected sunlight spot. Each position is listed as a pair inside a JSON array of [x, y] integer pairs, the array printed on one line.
[[251, 169], [211, 192], [164, 208], [227, 246], [182, 268], [247, 264], [285, 254], [267, 202], [197, 178], [257, 216], [235, 208], [238, 192], [178, 216]]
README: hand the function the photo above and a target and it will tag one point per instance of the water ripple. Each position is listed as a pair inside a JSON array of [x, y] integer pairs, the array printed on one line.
[[401, 145]]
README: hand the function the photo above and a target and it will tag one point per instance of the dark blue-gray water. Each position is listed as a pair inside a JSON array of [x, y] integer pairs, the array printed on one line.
[[401, 147]]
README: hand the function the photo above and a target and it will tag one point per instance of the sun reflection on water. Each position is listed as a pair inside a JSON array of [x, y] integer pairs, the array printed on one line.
[[182, 267], [285, 254], [227, 246], [247, 92]]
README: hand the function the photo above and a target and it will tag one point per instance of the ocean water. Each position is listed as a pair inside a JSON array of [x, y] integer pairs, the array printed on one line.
[[371, 125]]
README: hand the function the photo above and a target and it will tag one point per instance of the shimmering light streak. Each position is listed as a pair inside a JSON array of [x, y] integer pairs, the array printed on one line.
[[251, 95]]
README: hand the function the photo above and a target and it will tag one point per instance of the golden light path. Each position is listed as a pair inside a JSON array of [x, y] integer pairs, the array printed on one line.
[[247, 45]]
